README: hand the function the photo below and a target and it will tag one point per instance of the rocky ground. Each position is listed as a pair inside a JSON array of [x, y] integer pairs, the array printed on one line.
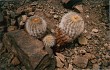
[[91, 51]]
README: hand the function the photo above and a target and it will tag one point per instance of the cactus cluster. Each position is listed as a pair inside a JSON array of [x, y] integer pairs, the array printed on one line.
[[70, 27]]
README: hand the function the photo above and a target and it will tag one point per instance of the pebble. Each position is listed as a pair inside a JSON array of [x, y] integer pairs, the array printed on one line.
[[96, 67], [83, 40], [70, 67], [94, 61], [13, 21], [82, 51], [55, 16], [89, 56], [11, 28], [60, 56], [80, 61], [79, 8], [87, 16], [24, 18], [59, 63], [30, 13], [15, 61], [95, 30]]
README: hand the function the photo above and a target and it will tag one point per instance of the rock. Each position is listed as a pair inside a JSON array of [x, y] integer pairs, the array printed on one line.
[[94, 61], [82, 40], [24, 18], [29, 50], [95, 30], [82, 51], [70, 67], [80, 61], [79, 8], [89, 56], [70, 3], [20, 10], [12, 14], [13, 21], [96, 67], [11, 28], [65, 1], [60, 56], [15, 61], [30, 13], [59, 63], [56, 16]]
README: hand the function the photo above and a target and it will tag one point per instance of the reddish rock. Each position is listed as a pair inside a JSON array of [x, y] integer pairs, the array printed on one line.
[[80, 61]]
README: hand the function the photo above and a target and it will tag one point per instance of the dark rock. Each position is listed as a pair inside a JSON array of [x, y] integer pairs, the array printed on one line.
[[70, 3], [28, 50]]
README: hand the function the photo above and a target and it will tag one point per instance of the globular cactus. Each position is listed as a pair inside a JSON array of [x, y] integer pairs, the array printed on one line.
[[72, 24], [49, 40], [70, 27], [36, 26]]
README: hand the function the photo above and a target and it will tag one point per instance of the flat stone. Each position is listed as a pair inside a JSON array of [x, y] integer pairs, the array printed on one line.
[[83, 40], [28, 49], [89, 56], [79, 8], [96, 67], [70, 67], [15, 61], [80, 61], [95, 30], [60, 56], [11, 28], [59, 63]]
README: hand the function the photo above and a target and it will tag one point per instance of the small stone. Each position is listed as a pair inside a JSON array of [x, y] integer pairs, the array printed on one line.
[[59, 63], [12, 14], [94, 61], [28, 9], [79, 8], [55, 16], [85, 31], [95, 30], [11, 28], [82, 40], [105, 44], [80, 61], [60, 56], [89, 56], [15, 61], [24, 18], [19, 10], [87, 16], [96, 67], [31, 14], [108, 48], [82, 51], [13, 21], [70, 67], [65, 1]]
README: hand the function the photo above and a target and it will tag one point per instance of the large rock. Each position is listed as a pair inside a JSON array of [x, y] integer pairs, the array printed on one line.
[[29, 50]]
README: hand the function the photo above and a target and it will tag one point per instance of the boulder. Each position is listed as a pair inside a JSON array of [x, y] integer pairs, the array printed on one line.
[[29, 50]]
